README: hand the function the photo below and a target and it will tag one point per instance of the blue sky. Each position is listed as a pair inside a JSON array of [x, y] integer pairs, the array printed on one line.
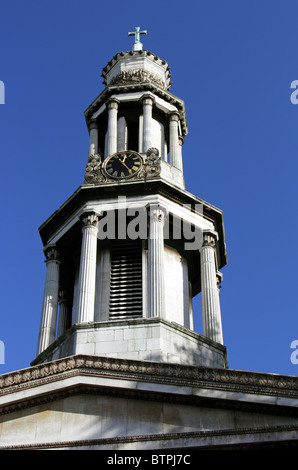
[[232, 62]]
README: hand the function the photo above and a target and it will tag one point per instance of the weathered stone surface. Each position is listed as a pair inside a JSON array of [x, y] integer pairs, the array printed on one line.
[[90, 402]]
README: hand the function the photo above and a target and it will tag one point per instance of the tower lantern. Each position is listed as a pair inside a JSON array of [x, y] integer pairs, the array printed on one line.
[[134, 246]]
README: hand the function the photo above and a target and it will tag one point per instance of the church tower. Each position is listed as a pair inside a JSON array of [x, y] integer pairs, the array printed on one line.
[[119, 365], [128, 251]]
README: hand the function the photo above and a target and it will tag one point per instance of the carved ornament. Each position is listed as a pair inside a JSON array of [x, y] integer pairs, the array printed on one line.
[[137, 76], [95, 175]]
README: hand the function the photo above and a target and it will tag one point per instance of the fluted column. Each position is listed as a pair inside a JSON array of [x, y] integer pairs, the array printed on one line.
[[63, 313], [87, 276], [156, 261], [112, 126], [48, 320], [147, 122], [212, 327], [175, 151], [93, 138]]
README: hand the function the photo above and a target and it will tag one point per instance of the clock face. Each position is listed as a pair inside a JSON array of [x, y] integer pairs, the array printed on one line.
[[123, 165]]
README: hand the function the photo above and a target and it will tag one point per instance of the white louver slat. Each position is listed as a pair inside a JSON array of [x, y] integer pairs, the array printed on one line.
[[126, 280]]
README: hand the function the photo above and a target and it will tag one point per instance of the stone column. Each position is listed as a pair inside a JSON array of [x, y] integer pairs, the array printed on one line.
[[87, 276], [212, 327], [147, 122], [93, 138], [112, 126], [181, 142], [156, 261], [175, 153], [48, 320], [63, 313]]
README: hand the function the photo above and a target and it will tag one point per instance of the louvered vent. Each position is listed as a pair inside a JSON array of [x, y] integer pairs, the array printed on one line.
[[126, 280]]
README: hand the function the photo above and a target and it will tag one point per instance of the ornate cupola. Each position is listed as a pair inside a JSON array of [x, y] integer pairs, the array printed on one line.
[[136, 113], [128, 251]]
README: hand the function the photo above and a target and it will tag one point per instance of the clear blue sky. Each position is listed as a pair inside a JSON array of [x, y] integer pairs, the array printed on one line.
[[232, 63]]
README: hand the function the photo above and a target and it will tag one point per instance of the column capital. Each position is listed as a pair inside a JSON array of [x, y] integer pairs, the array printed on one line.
[[147, 99], [112, 103], [62, 295], [157, 212], [93, 124], [51, 253], [210, 238], [174, 116], [89, 219]]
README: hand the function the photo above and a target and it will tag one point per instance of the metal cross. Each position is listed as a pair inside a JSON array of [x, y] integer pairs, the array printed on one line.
[[137, 45]]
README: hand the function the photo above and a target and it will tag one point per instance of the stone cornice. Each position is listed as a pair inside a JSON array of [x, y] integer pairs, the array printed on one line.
[[130, 88], [89, 192], [170, 374]]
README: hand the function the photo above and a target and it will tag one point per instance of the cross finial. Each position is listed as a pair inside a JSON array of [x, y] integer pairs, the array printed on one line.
[[137, 45]]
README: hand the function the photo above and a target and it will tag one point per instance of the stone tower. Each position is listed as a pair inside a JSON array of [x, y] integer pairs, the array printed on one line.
[[118, 364], [127, 252]]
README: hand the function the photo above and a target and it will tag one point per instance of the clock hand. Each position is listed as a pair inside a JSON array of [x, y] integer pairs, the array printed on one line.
[[129, 170]]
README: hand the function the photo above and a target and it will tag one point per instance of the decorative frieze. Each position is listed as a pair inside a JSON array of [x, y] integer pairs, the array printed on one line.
[[224, 379], [131, 77]]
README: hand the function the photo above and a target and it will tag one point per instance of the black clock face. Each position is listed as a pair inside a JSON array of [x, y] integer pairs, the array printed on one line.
[[123, 165]]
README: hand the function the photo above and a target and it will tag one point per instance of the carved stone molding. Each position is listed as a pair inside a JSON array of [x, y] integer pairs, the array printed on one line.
[[89, 219], [127, 77], [210, 238], [51, 253], [94, 173], [224, 379], [157, 212]]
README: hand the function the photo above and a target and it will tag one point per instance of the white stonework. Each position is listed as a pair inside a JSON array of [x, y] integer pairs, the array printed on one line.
[[126, 371], [97, 403], [147, 122], [133, 62], [156, 261], [151, 339], [87, 277], [93, 139], [112, 127], [212, 326], [48, 321], [175, 149]]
